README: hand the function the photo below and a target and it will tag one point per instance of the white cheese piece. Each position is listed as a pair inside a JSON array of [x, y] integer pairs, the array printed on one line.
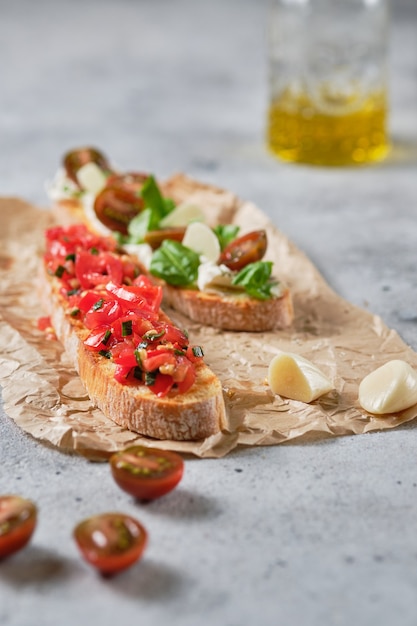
[[91, 178], [61, 187], [211, 275], [388, 389], [200, 238], [295, 377], [142, 251], [182, 215], [87, 201]]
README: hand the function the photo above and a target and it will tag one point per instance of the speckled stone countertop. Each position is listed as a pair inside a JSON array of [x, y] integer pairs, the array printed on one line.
[[310, 533]]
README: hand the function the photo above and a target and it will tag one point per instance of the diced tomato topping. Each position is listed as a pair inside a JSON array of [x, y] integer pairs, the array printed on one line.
[[188, 381], [125, 356], [97, 269], [157, 358], [99, 338], [44, 323], [121, 308], [88, 299], [102, 313], [123, 374], [153, 294], [162, 385]]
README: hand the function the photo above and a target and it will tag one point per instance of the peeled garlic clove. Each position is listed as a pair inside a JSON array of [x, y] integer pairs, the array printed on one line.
[[389, 389], [91, 178], [200, 238], [295, 377]]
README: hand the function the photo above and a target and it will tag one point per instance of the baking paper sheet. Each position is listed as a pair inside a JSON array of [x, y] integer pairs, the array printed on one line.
[[44, 396]]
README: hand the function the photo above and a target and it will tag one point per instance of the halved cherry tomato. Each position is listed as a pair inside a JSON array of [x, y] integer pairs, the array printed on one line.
[[18, 518], [120, 201], [146, 473], [111, 542], [75, 159], [155, 237], [244, 250]]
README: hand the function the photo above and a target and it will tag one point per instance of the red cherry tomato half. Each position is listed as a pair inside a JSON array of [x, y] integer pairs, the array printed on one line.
[[17, 523], [146, 473], [75, 159], [244, 250], [111, 542], [120, 201]]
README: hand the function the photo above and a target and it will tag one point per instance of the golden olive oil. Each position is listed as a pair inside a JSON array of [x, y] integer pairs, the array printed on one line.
[[329, 133]]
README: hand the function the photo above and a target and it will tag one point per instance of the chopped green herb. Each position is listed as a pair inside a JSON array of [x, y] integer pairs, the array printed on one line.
[[94, 251], [98, 304], [72, 292], [70, 257], [150, 378], [198, 351], [138, 357], [137, 373], [151, 335], [105, 353], [127, 328], [59, 271], [74, 312], [106, 337]]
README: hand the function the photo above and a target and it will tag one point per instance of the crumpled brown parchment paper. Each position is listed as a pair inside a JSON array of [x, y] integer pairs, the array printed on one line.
[[44, 396]]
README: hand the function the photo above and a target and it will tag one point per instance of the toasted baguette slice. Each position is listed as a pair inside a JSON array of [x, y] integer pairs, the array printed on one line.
[[230, 311], [194, 415]]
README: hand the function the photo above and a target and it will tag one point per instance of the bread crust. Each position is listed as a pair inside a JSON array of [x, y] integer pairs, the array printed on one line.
[[194, 415], [232, 312]]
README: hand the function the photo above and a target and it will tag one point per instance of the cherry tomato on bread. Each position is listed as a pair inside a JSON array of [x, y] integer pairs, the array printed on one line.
[[18, 518], [249, 248], [120, 201], [155, 237], [111, 542], [146, 473], [75, 159]]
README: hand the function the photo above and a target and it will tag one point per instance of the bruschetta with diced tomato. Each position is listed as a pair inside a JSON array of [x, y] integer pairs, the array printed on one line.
[[141, 370]]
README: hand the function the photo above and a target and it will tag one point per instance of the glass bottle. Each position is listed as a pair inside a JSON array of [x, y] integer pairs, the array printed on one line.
[[328, 81]]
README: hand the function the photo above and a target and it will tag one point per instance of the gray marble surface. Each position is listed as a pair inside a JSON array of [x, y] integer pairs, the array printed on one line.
[[310, 533]]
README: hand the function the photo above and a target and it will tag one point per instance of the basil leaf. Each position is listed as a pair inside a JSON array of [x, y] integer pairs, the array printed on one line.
[[256, 280], [140, 224], [156, 207], [226, 233], [154, 200], [175, 263]]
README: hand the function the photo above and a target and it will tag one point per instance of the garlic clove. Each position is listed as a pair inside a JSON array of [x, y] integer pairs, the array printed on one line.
[[297, 378], [389, 389]]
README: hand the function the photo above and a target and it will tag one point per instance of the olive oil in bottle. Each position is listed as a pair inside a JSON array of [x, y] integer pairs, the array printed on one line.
[[299, 131]]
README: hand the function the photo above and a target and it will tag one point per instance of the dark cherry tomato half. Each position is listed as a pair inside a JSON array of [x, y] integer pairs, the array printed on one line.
[[155, 237], [75, 159], [119, 202], [111, 542], [146, 473], [17, 522], [244, 250]]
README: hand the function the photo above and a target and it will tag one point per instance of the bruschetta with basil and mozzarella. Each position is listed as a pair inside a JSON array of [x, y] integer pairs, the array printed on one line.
[[210, 270]]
